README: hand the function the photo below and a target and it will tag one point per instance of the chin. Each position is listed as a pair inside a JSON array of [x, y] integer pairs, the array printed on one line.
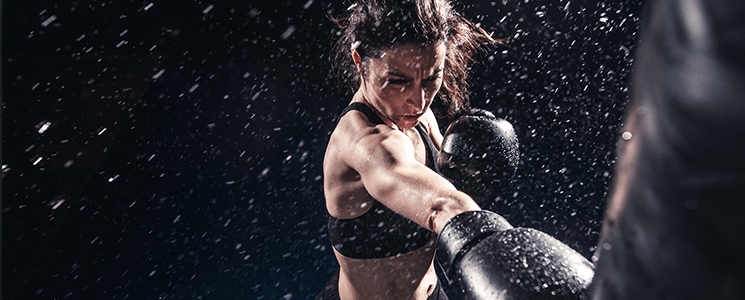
[[407, 122]]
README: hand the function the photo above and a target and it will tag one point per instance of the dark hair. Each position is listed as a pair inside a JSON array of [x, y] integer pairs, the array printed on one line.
[[374, 25]]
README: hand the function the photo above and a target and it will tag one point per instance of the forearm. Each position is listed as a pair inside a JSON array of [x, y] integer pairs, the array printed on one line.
[[392, 176], [423, 196]]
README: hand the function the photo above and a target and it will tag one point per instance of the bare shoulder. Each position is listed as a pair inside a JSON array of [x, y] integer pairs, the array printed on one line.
[[356, 148], [354, 128], [430, 123], [364, 142]]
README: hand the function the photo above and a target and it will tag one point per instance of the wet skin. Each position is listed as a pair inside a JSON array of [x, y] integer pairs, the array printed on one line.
[[366, 162]]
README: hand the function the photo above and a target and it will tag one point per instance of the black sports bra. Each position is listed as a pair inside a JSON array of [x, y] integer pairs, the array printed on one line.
[[380, 232]]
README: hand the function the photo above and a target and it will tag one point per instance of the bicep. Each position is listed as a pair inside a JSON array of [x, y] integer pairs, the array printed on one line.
[[391, 175], [380, 159]]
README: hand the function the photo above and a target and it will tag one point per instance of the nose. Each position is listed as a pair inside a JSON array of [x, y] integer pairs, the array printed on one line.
[[416, 97]]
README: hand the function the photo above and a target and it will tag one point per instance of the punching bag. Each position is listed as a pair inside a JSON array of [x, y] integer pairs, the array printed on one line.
[[675, 221]]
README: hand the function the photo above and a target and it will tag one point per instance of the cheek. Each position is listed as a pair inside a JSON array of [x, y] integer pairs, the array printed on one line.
[[376, 87], [433, 88], [391, 95], [388, 89], [385, 93]]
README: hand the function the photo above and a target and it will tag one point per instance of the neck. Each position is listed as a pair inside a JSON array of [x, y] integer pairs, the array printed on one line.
[[360, 97]]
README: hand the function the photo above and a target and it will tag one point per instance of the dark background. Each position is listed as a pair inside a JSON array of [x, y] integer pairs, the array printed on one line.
[[173, 149]]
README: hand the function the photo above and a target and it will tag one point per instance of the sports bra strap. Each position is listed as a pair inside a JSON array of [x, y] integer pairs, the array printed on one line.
[[361, 107], [432, 151]]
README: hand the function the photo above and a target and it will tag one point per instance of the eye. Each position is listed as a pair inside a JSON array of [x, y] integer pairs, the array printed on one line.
[[397, 81], [430, 82], [433, 78]]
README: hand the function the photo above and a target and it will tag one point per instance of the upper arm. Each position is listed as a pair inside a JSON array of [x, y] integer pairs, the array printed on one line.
[[391, 175], [382, 157]]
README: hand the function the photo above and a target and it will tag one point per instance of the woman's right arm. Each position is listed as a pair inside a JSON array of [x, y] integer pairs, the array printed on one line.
[[385, 160]]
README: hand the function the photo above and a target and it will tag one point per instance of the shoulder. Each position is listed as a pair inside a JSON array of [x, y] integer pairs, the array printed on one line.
[[354, 127], [429, 121], [357, 139]]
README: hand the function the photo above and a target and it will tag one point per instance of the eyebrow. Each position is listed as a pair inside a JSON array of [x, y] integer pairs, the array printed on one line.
[[399, 74], [436, 72], [396, 74]]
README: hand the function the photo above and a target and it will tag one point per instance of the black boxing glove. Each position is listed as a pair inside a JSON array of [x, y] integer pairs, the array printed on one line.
[[479, 155], [492, 260]]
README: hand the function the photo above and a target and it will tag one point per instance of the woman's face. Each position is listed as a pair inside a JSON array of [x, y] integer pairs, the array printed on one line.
[[403, 81]]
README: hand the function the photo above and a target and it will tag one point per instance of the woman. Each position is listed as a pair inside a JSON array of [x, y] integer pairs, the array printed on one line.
[[385, 201]]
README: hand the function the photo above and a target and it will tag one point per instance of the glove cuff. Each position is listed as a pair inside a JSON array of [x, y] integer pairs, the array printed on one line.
[[464, 231]]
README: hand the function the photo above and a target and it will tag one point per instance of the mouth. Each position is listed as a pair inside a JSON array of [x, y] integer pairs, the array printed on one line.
[[411, 117]]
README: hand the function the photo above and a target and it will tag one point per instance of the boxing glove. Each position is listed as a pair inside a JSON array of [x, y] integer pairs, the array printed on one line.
[[479, 155], [492, 260]]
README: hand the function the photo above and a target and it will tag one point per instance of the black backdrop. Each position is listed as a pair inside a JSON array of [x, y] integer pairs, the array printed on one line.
[[173, 149]]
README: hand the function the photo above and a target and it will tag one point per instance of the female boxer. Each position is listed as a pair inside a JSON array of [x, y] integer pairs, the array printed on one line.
[[385, 201]]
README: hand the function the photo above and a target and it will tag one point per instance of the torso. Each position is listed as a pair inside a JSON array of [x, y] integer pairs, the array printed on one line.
[[408, 275]]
